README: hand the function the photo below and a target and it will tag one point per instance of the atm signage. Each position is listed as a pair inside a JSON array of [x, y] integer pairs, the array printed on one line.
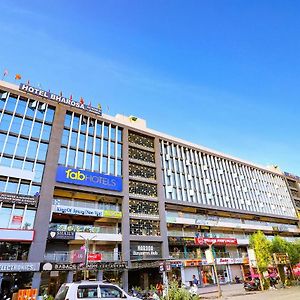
[[87, 178]]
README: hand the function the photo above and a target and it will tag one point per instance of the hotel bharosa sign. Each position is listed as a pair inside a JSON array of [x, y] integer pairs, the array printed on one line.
[[60, 99], [86, 178]]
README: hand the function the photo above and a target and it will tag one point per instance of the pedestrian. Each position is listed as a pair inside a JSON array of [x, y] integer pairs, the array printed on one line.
[[159, 288], [195, 280]]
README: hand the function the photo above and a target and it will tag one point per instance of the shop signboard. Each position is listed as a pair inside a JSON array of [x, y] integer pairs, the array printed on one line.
[[19, 267], [60, 99], [62, 235], [79, 267], [176, 264], [17, 220], [192, 263], [112, 214], [145, 264], [94, 257], [77, 256], [18, 199], [87, 178], [145, 250], [215, 241], [229, 261]]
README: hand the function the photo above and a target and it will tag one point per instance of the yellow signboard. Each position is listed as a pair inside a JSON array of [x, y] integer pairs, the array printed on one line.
[[112, 214]]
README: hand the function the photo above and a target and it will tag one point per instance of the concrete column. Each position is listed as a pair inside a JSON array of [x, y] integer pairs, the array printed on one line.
[[100, 275], [70, 277], [1, 278], [36, 280], [125, 280]]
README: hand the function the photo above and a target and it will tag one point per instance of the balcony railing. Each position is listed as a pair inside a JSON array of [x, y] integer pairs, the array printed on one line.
[[65, 256], [84, 228], [193, 255]]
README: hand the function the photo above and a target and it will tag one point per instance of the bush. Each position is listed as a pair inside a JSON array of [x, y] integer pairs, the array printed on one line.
[[179, 293]]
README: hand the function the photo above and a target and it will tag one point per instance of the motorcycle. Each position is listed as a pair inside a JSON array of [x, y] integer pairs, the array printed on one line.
[[253, 285]]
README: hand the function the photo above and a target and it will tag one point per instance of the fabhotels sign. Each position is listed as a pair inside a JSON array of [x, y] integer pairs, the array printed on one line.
[[86, 178], [60, 99]]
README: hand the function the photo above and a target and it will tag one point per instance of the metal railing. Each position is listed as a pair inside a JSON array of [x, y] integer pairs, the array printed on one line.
[[193, 255]]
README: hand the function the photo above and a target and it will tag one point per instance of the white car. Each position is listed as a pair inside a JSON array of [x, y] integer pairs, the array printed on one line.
[[92, 290]]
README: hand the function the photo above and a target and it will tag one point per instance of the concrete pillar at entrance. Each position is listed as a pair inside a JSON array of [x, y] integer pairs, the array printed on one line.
[[146, 280], [125, 280], [100, 276], [70, 277], [36, 280]]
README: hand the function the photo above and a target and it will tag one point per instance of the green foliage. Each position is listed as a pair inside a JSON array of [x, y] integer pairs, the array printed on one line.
[[262, 248], [179, 293]]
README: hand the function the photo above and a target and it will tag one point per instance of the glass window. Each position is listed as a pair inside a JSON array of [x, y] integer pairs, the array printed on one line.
[[5, 122], [36, 130], [83, 124], [17, 163], [29, 219], [24, 188], [46, 132], [96, 163], [32, 149], [119, 168], [73, 142], [2, 185], [28, 165], [31, 108], [76, 122], [5, 161], [65, 137], [82, 141], [68, 119], [2, 100], [91, 127], [99, 129], [119, 135], [26, 127], [21, 148], [5, 214], [105, 148], [113, 133], [112, 166], [40, 111], [21, 106], [11, 103], [50, 114], [34, 189], [112, 149], [42, 151], [80, 156], [119, 150], [10, 145], [90, 143], [71, 159], [87, 291], [62, 156], [106, 131], [39, 170], [16, 125], [110, 292], [17, 218], [104, 165], [88, 161], [2, 139], [98, 145], [12, 187]]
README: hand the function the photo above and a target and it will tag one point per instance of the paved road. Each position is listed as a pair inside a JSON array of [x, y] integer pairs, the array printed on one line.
[[237, 292]]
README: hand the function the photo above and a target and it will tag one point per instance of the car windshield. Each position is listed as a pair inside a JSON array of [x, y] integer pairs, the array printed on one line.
[[62, 292]]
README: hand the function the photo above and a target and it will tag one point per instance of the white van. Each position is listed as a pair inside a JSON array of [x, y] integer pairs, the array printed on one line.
[[92, 290]]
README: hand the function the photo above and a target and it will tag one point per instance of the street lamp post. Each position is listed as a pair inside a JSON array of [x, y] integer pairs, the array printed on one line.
[[87, 250], [215, 270]]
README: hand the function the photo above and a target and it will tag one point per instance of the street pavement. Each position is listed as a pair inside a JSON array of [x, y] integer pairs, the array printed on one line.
[[237, 292]]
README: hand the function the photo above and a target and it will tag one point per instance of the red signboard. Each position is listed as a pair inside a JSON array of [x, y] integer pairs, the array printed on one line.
[[77, 256], [17, 220], [94, 257], [215, 241]]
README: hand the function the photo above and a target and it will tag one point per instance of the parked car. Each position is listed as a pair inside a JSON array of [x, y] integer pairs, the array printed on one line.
[[91, 290]]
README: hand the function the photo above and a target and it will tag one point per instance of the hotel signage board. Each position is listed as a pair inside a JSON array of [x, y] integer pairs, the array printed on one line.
[[19, 267], [18, 199], [60, 99], [87, 178]]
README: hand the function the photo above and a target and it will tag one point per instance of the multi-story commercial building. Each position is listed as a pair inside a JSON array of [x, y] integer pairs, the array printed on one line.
[[294, 187], [85, 194]]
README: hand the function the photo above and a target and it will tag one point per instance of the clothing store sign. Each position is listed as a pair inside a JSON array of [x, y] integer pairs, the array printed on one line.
[[145, 250], [87, 178], [19, 267], [18, 199]]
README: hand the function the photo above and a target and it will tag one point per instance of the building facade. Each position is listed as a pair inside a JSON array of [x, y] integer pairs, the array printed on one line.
[[85, 195]]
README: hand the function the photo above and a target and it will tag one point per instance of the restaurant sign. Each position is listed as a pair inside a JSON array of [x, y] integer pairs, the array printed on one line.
[[145, 251], [18, 199], [60, 99], [215, 241]]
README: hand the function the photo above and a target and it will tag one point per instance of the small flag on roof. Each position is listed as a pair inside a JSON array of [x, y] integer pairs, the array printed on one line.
[[18, 77]]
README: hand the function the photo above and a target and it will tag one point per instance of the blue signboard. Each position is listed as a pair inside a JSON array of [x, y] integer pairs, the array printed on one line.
[[86, 178]]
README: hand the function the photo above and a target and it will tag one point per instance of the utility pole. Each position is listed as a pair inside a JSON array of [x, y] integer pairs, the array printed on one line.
[[86, 257]]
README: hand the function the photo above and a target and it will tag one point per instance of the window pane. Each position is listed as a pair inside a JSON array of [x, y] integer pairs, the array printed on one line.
[[99, 129], [119, 149], [83, 124], [98, 145], [104, 165], [24, 188], [17, 218], [62, 156], [46, 132], [119, 135], [31, 108], [112, 149], [12, 187], [36, 130], [76, 122], [26, 127], [119, 166], [112, 166], [106, 131], [80, 155], [32, 149], [21, 106], [10, 145], [16, 125], [39, 170], [110, 292], [88, 161], [105, 147], [90, 143], [96, 163], [17, 163], [65, 137], [113, 133], [5, 122], [82, 141], [71, 159], [21, 148], [5, 161], [68, 120], [50, 114], [91, 127], [11, 103], [28, 165], [5, 213], [34, 189], [29, 219], [73, 142], [42, 151]]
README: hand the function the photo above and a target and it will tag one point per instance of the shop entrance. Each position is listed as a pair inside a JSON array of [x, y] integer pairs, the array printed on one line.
[[144, 278]]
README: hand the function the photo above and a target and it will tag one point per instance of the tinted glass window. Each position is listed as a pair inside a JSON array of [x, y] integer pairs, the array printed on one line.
[[110, 292], [62, 293], [21, 106], [87, 291], [49, 114]]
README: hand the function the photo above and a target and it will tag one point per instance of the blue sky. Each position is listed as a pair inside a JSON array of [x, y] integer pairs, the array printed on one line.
[[223, 74]]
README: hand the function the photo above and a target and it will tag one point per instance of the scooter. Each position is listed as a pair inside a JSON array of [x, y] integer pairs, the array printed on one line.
[[253, 285]]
